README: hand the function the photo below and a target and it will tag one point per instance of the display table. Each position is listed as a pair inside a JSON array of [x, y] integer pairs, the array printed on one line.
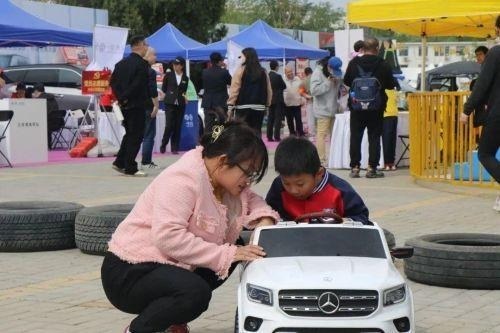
[[339, 157], [26, 140]]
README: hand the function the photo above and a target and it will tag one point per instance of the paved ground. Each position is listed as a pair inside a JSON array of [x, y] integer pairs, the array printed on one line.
[[61, 292]]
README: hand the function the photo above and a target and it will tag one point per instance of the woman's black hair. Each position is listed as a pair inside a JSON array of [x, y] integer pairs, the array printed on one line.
[[253, 69], [239, 143]]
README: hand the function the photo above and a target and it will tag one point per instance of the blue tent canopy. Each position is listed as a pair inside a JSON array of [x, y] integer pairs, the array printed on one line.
[[269, 43], [169, 43], [20, 28]]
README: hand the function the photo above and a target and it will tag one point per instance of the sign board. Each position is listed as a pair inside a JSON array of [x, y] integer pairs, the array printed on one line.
[[95, 82], [26, 137]]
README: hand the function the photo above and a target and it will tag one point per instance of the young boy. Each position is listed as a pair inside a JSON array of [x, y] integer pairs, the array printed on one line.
[[304, 186]]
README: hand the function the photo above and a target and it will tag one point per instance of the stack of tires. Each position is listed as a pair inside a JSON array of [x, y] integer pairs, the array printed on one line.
[[95, 225], [37, 225], [470, 261]]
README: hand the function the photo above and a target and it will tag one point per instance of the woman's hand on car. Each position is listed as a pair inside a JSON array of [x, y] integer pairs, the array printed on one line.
[[248, 253]]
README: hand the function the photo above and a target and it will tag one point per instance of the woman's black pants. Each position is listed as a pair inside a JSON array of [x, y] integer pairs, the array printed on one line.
[[162, 295]]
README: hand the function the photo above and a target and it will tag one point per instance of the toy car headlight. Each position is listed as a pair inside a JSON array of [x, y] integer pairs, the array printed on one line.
[[395, 295], [259, 294]]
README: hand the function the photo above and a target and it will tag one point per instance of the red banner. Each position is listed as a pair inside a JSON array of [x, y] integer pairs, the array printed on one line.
[[95, 82]]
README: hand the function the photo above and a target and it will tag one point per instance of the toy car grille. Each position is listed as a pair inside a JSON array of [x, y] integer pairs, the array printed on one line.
[[328, 303]]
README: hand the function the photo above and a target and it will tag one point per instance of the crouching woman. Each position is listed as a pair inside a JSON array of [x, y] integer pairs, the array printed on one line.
[[179, 242]]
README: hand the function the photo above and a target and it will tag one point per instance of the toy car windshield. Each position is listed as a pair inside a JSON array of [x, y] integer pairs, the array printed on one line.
[[297, 241]]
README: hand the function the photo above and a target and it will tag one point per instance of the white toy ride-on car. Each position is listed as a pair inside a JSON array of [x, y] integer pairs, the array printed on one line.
[[324, 278]]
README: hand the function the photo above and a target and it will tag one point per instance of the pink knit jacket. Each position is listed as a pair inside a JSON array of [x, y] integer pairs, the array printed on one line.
[[177, 220]]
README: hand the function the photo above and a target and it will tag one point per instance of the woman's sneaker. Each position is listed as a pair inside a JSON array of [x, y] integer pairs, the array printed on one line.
[[374, 173], [151, 165]]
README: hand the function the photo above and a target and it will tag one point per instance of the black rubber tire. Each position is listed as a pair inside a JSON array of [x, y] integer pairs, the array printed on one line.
[[390, 238], [95, 225], [470, 261], [27, 226]]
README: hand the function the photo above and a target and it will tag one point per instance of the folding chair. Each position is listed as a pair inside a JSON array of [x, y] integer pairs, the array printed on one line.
[[405, 140], [5, 116], [55, 122], [76, 124]]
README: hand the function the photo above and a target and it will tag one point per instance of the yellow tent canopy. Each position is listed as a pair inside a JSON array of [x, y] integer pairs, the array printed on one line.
[[427, 17]]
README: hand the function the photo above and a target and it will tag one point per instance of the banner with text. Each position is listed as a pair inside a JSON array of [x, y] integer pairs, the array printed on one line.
[[109, 45]]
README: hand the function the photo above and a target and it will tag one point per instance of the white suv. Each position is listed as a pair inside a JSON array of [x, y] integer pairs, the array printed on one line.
[[324, 278]]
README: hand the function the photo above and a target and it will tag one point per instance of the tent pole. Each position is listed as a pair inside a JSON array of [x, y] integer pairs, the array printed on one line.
[[424, 56]]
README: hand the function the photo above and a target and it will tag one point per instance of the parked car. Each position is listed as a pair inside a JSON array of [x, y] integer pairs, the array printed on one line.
[[62, 80], [324, 278]]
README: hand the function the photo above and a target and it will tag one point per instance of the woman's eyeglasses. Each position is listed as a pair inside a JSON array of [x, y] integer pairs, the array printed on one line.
[[252, 176]]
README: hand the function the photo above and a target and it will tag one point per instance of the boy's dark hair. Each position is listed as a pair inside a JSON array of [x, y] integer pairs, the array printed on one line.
[[483, 49], [273, 65], [239, 143], [295, 156], [136, 40], [358, 45], [497, 23], [308, 70]]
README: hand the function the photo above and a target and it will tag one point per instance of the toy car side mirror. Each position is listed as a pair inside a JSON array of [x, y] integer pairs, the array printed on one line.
[[402, 252]]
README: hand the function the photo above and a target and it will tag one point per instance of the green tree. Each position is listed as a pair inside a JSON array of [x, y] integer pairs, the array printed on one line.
[[195, 18], [291, 14]]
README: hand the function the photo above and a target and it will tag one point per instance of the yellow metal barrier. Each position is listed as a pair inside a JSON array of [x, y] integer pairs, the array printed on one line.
[[441, 147]]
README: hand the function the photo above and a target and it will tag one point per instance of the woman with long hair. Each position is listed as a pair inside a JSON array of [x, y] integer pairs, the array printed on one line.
[[250, 93]]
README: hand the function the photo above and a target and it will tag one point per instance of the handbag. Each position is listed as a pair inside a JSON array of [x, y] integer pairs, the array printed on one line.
[[118, 112]]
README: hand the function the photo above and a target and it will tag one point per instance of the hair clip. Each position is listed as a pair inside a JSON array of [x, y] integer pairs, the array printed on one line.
[[216, 132]]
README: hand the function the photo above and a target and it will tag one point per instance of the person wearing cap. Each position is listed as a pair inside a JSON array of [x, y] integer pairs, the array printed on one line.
[[216, 81], [175, 84], [325, 84]]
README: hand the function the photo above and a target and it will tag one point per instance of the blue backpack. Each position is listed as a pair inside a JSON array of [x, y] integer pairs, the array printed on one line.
[[365, 93]]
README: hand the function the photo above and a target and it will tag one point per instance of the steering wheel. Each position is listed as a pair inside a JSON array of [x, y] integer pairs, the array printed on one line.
[[321, 217]]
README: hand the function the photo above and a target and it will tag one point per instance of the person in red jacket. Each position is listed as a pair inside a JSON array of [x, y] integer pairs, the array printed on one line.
[[304, 186]]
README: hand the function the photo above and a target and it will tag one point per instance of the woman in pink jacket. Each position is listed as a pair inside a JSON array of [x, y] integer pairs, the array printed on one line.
[[178, 243]]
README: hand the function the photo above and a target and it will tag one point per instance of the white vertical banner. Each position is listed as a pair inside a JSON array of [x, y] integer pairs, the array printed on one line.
[[344, 42], [108, 45], [233, 53]]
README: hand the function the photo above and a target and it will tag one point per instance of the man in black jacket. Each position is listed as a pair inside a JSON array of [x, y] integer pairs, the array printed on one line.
[[129, 82], [487, 88], [175, 84], [277, 107], [215, 83], [371, 119]]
